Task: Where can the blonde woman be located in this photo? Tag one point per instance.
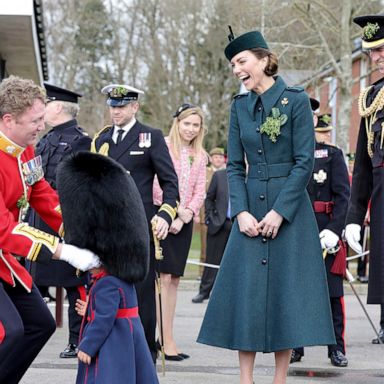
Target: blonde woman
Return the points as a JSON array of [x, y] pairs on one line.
[[185, 143]]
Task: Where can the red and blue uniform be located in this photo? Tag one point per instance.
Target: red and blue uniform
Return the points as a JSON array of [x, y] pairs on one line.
[[112, 334]]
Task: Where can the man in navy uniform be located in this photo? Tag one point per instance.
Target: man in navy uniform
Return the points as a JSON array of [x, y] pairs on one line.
[[329, 192], [143, 152], [368, 172], [64, 138]]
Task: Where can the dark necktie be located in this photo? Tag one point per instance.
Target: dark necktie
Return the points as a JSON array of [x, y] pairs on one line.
[[119, 136]]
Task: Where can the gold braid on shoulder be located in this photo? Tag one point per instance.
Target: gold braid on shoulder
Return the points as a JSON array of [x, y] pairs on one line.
[[369, 114], [103, 150]]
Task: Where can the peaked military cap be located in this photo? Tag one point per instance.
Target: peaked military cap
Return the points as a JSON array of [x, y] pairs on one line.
[[55, 93], [373, 30], [120, 94], [315, 104], [217, 151], [324, 123], [249, 40]]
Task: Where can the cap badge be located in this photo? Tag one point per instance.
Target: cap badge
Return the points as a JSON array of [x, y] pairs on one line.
[[326, 119], [118, 92], [284, 101], [320, 177], [370, 30], [145, 140], [33, 170]]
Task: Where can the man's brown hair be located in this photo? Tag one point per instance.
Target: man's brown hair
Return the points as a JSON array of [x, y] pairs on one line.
[[17, 95]]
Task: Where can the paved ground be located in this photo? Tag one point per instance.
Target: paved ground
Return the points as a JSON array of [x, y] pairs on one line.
[[216, 366]]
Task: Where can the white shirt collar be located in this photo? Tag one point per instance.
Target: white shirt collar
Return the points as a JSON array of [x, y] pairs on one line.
[[126, 128]]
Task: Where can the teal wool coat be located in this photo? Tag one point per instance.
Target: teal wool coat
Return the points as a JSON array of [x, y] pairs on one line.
[[270, 295]]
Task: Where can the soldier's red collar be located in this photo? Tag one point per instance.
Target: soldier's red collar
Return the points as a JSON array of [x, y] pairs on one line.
[[9, 147]]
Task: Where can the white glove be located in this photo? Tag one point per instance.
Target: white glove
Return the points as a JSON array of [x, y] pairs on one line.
[[328, 239], [352, 235], [82, 259]]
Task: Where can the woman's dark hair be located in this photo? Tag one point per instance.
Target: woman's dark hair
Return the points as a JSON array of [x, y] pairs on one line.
[[273, 62]]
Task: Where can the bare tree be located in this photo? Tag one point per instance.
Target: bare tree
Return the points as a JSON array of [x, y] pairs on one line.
[[173, 50]]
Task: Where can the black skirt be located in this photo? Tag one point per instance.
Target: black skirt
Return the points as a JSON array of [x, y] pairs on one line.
[[175, 251]]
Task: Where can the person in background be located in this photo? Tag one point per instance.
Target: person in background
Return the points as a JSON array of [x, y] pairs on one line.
[[253, 306], [217, 161], [64, 139], [329, 192], [26, 322], [368, 171], [142, 151], [185, 143], [218, 221]]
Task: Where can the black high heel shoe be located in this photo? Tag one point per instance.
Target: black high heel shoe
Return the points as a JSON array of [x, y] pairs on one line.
[[184, 355], [158, 345], [173, 357]]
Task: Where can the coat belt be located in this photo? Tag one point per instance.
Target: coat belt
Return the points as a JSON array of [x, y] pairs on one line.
[[122, 313], [264, 171]]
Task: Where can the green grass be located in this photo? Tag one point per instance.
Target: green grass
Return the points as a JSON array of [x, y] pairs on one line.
[[192, 271]]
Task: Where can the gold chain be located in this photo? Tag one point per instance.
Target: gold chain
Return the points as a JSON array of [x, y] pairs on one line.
[[376, 105]]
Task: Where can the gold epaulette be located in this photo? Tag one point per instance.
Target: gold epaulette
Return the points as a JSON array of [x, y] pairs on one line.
[[103, 150]]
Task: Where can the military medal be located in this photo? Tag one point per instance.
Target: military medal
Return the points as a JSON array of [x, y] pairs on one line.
[[33, 170], [321, 153], [145, 140], [141, 140]]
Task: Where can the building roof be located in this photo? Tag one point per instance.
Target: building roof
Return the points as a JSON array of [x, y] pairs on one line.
[[22, 43]]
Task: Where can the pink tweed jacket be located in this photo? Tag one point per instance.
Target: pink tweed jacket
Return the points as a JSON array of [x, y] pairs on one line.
[[191, 172]]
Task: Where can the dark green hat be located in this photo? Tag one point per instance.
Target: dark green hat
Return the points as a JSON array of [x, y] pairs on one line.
[[373, 30], [244, 42], [324, 123]]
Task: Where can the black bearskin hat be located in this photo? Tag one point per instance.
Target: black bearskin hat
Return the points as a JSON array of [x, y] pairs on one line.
[[103, 212]]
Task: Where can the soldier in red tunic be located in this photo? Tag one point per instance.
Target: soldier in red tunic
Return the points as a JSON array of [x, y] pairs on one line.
[[25, 321]]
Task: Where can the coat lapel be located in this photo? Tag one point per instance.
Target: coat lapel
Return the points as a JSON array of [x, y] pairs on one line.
[[271, 96], [251, 103]]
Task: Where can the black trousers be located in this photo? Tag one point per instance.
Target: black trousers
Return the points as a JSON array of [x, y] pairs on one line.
[[338, 317], [28, 325], [74, 320], [215, 248], [147, 304]]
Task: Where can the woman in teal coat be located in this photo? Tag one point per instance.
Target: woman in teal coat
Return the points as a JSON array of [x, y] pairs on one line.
[[271, 293]]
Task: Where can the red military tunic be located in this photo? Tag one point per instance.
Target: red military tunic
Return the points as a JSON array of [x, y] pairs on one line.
[[16, 237]]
